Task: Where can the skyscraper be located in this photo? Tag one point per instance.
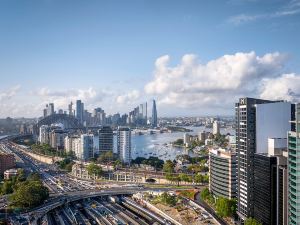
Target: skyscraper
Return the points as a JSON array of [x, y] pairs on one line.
[[270, 183], [216, 127], [71, 109], [154, 115], [106, 139], [294, 169], [256, 121], [50, 109], [124, 144], [79, 110]]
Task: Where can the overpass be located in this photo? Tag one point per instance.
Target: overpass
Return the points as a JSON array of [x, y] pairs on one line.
[[36, 214]]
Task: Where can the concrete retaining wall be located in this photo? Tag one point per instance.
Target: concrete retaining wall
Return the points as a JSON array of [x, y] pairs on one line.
[[159, 212]]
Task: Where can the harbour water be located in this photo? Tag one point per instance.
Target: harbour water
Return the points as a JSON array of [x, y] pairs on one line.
[[158, 144], [3, 136]]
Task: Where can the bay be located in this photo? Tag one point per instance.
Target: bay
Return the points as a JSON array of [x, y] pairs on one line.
[[158, 144]]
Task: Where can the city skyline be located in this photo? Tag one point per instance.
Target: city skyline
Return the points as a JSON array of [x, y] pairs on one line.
[[150, 112], [117, 55]]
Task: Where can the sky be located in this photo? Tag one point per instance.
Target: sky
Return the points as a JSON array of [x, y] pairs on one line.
[[194, 57]]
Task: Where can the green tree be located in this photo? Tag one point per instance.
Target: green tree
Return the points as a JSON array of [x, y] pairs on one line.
[[205, 193], [168, 199], [252, 221], [198, 178], [106, 157], [29, 194], [178, 142], [117, 164], [34, 177], [185, 178], [225, 207], [7, 187], [21, 175], [169, 166], [151, 161], [94, 169], [66, 164], [205, 178]]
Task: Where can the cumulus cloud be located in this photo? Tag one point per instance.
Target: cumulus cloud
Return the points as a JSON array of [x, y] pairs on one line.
[[8, 94], [128, 98], [61, 98], [219, 82], [285, 87]]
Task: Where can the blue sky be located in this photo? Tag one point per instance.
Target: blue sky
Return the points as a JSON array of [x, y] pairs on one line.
[[105, 52]]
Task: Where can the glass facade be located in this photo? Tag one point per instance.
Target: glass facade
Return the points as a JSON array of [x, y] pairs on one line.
[[294, 170], [265, 189]]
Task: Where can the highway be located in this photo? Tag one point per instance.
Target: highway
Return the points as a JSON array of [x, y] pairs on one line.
[[68, 196], [101, 211]]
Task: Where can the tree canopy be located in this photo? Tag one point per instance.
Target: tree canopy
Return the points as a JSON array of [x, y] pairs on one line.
[[151, 161], [94, 169], [106, 157], [225, 207], [252, 221], [29, 194], [169, 166]]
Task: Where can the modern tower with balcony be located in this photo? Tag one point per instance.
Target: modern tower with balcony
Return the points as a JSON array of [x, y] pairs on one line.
[[257, 120], [294, 169]]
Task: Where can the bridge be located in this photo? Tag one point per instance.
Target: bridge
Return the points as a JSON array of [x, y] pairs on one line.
[[69, 122], [36, 214]]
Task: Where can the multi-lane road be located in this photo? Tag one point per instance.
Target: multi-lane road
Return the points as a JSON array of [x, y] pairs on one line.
[[102, 211], [79, 202], [87, 209]]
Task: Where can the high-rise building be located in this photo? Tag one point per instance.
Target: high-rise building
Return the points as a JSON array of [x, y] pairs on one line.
[[57, 138], [256, 121], [223, 173], [294, 169], [145, 112], [44, 134], [124, 144], [69, 143], [154, 115], [44, 112], [106, 139], [270, 183], [79, 111], [87, 146], [70, 108], [99, 116], [186, 139], [50, 110], [265, 173], [83, 146], [216, 127]]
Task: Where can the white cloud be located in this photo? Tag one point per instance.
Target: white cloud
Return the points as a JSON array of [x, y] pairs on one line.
[[217, 83], [244, 18], [128, 98], [292, 7], [285, 87], [61, 98], [8, 94]]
